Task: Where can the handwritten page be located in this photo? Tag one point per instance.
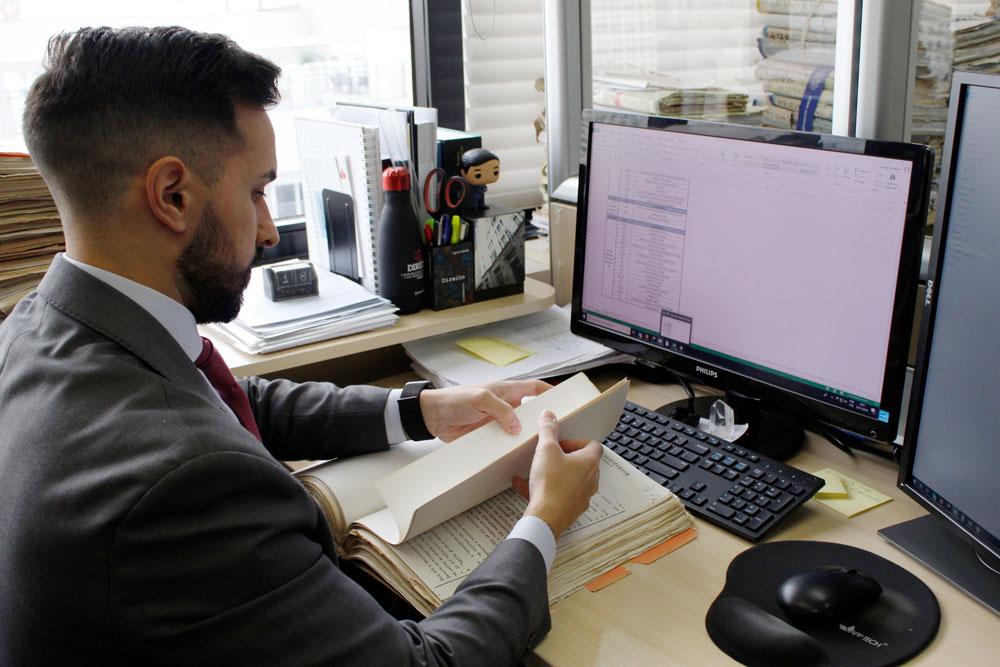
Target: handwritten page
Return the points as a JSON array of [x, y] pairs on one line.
[[860, 498]]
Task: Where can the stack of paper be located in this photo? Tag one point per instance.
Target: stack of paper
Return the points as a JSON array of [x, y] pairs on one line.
[[342, 307], [472, 356], [30, 230]]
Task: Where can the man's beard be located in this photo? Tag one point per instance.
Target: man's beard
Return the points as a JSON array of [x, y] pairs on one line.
[[215, 289]]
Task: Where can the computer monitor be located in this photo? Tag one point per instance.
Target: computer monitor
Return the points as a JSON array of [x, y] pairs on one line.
[[951, 458], [776, 265]]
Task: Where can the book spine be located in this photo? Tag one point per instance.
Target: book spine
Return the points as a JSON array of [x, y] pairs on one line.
[[373, 209]]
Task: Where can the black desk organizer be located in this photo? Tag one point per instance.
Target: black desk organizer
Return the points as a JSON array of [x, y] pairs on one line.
[[487, 265]]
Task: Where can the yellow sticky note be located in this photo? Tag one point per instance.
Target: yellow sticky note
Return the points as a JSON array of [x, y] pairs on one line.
[[834, 487], [494, 350], [860, 498]]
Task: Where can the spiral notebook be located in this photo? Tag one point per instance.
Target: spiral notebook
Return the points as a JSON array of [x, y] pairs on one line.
[[342, 157]]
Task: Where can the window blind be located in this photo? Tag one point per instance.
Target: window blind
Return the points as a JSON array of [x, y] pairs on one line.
[[503, 57]]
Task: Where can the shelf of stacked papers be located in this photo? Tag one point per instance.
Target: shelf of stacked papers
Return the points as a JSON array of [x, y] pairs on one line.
[[30, 230]]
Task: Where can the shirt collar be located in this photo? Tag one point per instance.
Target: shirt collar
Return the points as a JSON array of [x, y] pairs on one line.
[[173, 316]]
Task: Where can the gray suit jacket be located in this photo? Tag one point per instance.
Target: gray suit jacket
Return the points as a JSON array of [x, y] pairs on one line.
[[140, 522]]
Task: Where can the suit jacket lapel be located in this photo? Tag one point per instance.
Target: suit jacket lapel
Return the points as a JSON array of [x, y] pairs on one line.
[[106, 310]]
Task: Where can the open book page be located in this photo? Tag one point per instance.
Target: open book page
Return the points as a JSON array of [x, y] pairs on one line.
[[481, 464], [444, 555], [347, 486]]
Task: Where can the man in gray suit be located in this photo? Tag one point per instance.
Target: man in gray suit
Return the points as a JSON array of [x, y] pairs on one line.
[[144, 516]]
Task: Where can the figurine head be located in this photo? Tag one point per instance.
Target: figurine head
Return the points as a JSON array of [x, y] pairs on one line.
[[480, 167]]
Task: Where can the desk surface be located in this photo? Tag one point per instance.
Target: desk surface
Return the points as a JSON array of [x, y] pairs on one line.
[[537, 296], [656, 615]]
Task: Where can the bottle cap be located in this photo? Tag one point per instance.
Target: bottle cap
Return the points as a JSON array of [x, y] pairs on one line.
[[395, 179]]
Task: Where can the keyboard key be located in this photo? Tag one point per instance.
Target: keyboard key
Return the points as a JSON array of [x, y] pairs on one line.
[[661, 419], [639, 410], [675, 462], [629, 455], [753, 457], [680, 440], [796, 489], [621, 428], [755, 523], [700, 450], [782, 484], [706, 464], [658, 467], [730, 474], [698, 500], [656, 455], [759, 487], [640, 460], [614, 435], [740, 451], [632, 432], [688, 430], [756, 473], [729, 448], [642, 437], [746, 481], [674, 451], [690, 457], [656, 477], [701, 436], [645, 450], [770, 478], [749, 496], [728, 461], [620, 449], [717, 456], [740, 519], [659, 431], [626, 419], [779, 504], [713, 441], [772, 492], [686, 494], [718, 469], [698, 486], [726, 498], [738, 504], [740, 466], [722, 510]]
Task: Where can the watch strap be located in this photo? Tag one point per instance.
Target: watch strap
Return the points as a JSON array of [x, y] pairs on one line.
[[410, 415]]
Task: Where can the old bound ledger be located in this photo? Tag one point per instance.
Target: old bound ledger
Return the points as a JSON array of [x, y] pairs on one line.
[[422, 515]]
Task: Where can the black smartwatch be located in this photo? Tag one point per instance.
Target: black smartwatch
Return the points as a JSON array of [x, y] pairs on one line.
[[409, 411]]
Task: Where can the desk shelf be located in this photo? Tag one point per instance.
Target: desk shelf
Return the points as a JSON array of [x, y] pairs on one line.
[[537, 296]]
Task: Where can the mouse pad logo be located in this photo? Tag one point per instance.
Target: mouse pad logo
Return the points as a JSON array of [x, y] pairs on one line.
[[849, 629]]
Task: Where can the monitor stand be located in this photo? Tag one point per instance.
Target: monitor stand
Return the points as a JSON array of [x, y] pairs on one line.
[[771, 432], [934, 544]]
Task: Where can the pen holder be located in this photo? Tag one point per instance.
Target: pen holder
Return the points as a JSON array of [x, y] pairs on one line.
[[488, 264]]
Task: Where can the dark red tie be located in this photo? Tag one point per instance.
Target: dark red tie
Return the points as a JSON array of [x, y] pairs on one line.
[[210, 363]]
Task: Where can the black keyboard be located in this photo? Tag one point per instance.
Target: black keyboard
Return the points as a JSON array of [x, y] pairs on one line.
[[729, 485]]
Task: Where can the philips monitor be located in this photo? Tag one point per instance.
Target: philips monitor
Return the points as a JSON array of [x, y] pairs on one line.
[[951, 457], [776, 265]]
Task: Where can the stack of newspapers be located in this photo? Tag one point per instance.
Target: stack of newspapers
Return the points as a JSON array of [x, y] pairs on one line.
[[342, 307], [545, 336], [30, 231], [798, 44]]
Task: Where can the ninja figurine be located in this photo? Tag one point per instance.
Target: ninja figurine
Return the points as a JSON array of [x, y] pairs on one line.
[[479, 168]]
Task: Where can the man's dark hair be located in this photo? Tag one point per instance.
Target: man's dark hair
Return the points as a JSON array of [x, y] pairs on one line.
[[111, 102], [475, 157]]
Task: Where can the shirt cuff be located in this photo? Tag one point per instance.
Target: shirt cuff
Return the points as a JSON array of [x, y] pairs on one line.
[[393, 423], [536, 531]]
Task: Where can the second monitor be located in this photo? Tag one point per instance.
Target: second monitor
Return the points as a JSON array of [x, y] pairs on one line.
[[780, 265]]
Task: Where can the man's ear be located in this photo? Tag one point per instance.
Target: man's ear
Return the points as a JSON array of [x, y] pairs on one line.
[[169, 192]]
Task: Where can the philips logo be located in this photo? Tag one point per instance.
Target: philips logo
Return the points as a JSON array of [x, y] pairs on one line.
[[707, 371], [849, 629]]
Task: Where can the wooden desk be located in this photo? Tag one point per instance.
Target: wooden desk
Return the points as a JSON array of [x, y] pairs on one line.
[[656, 616], [537, 296]]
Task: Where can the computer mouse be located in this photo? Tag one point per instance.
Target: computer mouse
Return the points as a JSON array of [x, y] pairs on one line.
[[829, 592]]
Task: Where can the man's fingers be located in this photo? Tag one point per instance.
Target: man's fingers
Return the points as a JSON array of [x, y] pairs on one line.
[[573, 445], [498, 409]]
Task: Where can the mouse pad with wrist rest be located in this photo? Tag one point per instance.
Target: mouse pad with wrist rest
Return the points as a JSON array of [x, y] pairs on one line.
[[747, 623]]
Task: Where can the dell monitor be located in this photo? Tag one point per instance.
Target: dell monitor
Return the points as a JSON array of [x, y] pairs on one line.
[[779, 266], [951, 457]]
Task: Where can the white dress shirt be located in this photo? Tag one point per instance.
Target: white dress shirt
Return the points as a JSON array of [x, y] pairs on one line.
[[180, 323]]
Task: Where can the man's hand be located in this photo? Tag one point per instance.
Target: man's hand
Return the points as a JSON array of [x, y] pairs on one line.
[[454, 411], [563, 476]]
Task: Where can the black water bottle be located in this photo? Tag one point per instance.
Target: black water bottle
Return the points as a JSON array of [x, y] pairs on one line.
[[400, 250]]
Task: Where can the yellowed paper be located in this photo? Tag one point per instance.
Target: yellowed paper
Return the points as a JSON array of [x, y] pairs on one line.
[[481, 464], [494, 350], [860, 498], [834, 487]]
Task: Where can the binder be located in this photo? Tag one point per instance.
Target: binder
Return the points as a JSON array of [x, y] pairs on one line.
[[343, 157]]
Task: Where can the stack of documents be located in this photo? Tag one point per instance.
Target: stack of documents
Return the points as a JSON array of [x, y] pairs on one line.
[[342, 307], [548, 349], [30, 231]]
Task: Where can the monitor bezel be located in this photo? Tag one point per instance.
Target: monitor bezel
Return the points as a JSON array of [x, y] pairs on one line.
[[806, 408], [960, 82]]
